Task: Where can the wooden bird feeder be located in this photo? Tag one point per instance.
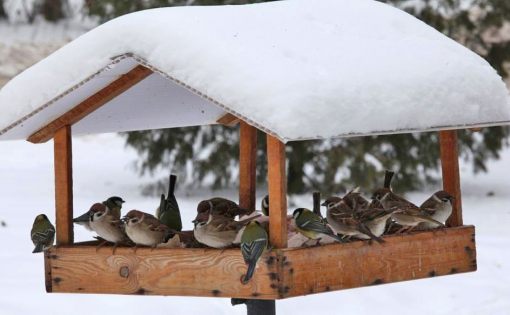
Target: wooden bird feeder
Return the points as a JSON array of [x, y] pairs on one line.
[[144, 88]]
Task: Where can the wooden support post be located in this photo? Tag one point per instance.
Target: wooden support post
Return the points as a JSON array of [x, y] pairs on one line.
[[277, 186], [63, 185], [247, 166], [450, 169]]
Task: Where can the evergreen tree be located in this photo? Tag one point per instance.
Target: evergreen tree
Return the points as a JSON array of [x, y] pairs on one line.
[[338, 164], [3, 15]]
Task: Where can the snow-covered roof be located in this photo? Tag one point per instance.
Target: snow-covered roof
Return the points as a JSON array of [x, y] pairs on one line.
[[297, 69]]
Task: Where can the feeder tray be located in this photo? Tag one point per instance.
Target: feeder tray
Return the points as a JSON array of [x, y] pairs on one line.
[[112, 88], [281, 273]]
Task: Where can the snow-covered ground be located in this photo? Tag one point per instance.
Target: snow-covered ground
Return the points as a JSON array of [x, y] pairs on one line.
[[103, 167]]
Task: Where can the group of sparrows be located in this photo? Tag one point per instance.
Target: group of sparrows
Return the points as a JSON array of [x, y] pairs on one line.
[[215, 225], [353, 216]]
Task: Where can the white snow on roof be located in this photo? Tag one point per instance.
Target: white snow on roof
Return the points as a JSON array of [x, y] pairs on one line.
[[299, 69]]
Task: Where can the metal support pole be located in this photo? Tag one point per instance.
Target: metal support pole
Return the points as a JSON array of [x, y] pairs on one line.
[[257, 307]]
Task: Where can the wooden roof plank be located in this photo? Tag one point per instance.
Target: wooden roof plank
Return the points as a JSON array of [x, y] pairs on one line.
[[80, 111]]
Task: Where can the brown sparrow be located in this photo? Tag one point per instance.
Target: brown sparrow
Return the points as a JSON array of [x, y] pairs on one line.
[[354, 199], [363, 224], [438, 207], [144, 229], [405, 213], [105, 222], [221, 206], [217, 231]]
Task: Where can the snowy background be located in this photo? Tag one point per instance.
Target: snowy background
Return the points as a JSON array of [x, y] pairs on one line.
[[103, 167]]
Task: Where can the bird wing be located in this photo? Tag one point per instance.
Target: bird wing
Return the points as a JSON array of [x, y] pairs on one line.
[[253, 250], [43, 236], [365, 230], [154, 224], [372, 214], [317, 225], [344, 218], [428, 207]]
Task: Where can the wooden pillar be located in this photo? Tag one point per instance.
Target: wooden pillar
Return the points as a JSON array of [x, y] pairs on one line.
[[247, 165], [63, 185], [450, 170], [277, 186]]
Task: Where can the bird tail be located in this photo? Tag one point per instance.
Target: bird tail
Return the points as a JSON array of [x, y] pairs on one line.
[[250, 271], [388, 176], [336, 237], [38, 248]]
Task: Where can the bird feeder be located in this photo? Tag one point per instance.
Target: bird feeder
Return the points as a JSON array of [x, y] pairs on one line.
[[296, 70]]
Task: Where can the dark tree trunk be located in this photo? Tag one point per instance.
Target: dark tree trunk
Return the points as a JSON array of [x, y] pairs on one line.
[[3, 15], [53, 10]]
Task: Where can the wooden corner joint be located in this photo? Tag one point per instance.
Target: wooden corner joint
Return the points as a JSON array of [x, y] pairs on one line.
[[228, 120]]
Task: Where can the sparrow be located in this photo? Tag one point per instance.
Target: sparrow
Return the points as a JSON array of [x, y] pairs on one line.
[[254, 242], [42, 233], [168, 211], [312, 226], [221, 206], [353, 222], [264, 205], [114, 203], [438, 207], [354, 199], [145, 229], [217, 231], [405, 213], [105, 222]]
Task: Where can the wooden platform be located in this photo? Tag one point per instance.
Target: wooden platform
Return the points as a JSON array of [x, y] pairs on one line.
[[281, 273]]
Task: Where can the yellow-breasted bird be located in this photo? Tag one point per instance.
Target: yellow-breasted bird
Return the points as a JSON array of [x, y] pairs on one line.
[[42, 233], [312, 226], [168, 211], [254, 242]]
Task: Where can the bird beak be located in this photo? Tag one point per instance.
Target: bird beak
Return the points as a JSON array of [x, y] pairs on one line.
[[324, 204], [82, 218]]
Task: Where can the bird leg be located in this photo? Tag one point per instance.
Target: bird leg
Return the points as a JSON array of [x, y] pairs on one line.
[[390, 226], [114, 248], [318, 241], [401, 230], [410, 229], [100, 245]]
